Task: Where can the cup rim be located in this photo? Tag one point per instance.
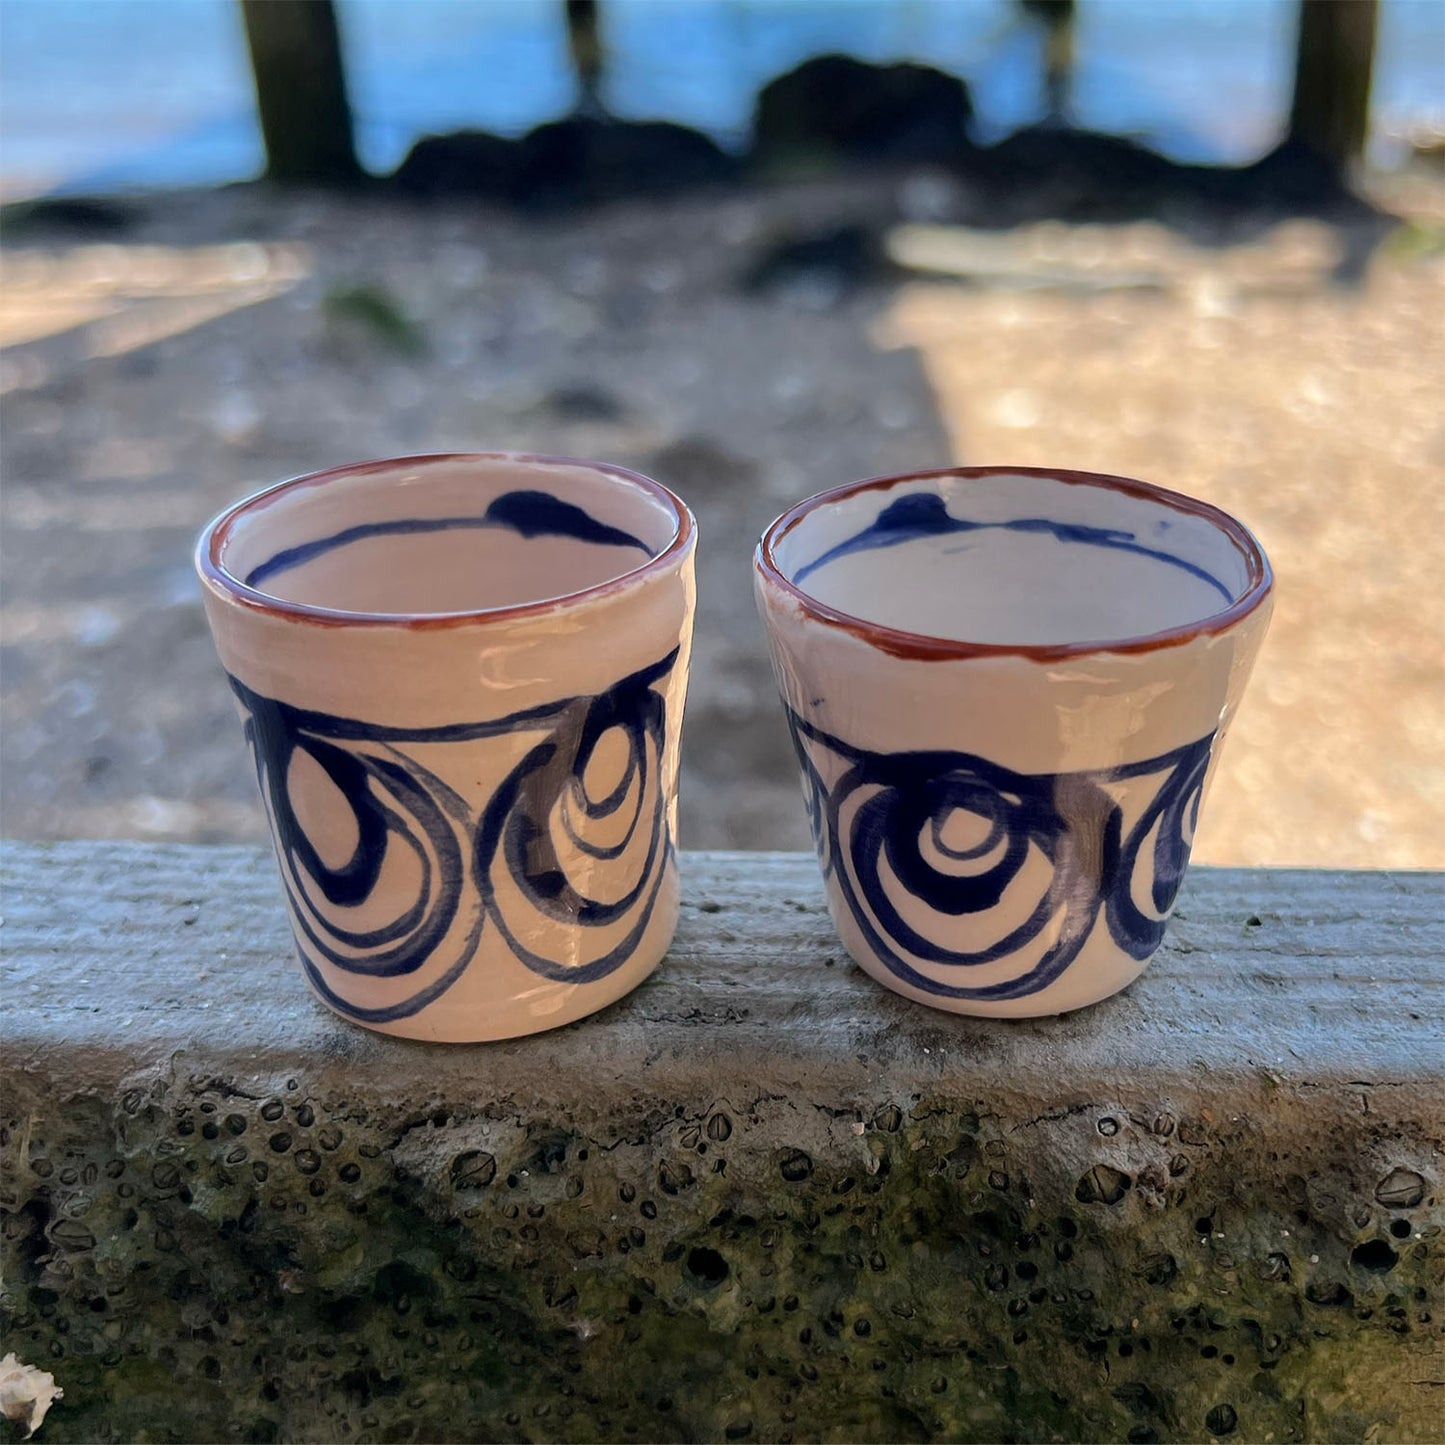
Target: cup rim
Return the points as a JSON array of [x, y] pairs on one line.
[[918, 646], [214, 536]]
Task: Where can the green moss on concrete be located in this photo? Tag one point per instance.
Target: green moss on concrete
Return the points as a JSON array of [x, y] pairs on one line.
[[197, 1262]]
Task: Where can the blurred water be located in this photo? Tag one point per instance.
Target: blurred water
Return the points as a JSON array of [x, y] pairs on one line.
[[110, 94]]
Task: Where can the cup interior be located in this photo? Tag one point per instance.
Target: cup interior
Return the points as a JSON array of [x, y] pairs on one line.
[[430, 536], [1016, 559]]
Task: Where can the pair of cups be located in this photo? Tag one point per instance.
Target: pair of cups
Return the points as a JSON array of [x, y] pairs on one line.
[[462, 681]]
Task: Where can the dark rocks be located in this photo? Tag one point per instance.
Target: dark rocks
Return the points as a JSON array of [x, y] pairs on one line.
[[465, 163], [579, 160], [837, 108], [832, 112], [1078, 175], [1295, 178]]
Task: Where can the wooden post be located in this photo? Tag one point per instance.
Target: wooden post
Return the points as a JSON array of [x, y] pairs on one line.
[[1334, 57], [1057, 18], [301, 91], [584, 42]]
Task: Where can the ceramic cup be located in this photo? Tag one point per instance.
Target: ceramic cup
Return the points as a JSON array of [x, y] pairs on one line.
[[462, 680], [1007, 689]]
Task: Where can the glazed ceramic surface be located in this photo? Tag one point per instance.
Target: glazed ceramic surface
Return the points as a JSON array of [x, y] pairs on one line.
[[462, 681], [1007, 689]]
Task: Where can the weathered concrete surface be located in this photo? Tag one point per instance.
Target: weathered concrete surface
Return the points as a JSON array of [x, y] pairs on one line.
[[761, 1198]]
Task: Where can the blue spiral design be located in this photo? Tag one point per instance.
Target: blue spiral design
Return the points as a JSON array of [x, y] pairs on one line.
[[539, 818], [506, 868], [1050, 854]]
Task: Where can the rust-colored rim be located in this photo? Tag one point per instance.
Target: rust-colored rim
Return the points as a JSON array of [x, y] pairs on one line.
[[214, 537], [922, 647]]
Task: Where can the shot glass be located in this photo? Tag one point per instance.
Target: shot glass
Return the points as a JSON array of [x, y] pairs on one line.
[[462, 680], [1007, 688]]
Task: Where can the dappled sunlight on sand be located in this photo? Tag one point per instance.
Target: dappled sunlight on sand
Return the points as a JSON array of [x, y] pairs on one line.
[[154, 381], [1313, 413], [130, 296]]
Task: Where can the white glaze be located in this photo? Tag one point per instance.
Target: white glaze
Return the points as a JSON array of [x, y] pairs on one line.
[[541, 630], [1047, 739]]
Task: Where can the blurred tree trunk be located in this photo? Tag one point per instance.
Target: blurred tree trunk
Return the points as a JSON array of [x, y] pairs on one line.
[[584, 42], [1057, 18], [301, 91], [1334, 57]]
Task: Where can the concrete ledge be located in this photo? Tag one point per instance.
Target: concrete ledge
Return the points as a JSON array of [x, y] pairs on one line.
[[759, 1199]]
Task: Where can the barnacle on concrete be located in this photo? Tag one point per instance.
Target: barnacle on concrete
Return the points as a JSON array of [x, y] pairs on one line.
[[208, 1259]]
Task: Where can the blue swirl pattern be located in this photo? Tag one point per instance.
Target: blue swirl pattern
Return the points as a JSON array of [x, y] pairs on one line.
[[518, 852], [1046, 855]]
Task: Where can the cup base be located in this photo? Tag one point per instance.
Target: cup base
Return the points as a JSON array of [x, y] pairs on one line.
[[552, 1007], [1039, 1007], [478, 1009], [1100, 971]]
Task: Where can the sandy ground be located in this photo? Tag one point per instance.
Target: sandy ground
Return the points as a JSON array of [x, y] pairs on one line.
[[212, 348]]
